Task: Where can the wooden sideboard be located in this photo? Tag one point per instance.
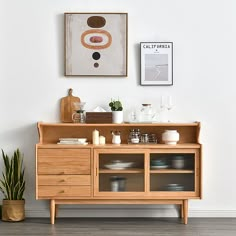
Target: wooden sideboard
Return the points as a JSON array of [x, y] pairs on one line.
[[77, 174]]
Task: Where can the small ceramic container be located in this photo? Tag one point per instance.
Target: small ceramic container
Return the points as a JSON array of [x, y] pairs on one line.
[[170, 137]]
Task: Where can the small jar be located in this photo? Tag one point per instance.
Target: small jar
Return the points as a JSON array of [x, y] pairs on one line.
[[144, 138], [170, 137], [134, 136], [152, 138], [117, 183]]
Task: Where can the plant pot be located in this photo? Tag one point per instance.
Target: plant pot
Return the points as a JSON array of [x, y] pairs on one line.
[[117, 117], [13, 210]]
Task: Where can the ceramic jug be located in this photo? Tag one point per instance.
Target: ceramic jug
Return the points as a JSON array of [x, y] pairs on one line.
[[116, 137]]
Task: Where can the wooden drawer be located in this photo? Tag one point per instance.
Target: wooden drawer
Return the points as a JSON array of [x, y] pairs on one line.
[[63, 161], [64, 191], [64, 180]]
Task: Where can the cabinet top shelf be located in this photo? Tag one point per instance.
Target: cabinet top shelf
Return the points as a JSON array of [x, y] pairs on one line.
[[50, 133], [120, 125], [127, 146]]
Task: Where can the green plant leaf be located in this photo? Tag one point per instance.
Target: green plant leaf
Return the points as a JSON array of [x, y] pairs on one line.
[[12, 184]]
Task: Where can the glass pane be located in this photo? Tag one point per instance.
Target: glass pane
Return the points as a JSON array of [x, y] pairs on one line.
[[121, 161], [172, 182], [121, 182], [172, 172], [121, 172], [172, 161]]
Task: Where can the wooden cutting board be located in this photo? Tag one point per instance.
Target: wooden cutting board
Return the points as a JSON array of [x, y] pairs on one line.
[[67, 106]]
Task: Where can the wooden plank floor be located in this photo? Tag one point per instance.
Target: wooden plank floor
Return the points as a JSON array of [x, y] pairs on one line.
[[120, 227]]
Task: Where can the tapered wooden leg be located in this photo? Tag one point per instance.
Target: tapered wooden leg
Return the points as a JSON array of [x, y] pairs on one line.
[[185, 211], [56, 210], [52, 211], [182, 210]]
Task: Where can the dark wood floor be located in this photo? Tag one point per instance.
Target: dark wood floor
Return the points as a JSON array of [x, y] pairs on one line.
[[120, 227]]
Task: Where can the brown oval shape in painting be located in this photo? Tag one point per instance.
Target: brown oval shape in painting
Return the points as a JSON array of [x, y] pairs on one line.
[[96, 39], [96, 21]]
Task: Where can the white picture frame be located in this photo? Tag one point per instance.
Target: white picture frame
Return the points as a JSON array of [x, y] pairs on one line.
[[156, 63]]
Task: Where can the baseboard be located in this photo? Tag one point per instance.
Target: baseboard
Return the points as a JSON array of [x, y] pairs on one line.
[[124, 212]]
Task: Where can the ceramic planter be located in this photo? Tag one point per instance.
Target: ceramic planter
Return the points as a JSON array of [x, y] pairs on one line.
[[117, 117]]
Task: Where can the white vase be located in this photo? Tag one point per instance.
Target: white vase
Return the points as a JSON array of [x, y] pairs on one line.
[[117, 117], [170, 137]]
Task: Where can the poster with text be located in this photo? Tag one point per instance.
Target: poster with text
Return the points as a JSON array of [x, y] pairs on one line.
[[156, 63]]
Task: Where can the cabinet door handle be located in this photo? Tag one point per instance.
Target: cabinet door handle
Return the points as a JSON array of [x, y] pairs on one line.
[[62, 191], [62, 180]]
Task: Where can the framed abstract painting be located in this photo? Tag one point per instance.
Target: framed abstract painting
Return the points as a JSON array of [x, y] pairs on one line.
[[96, 44], [156, 63]]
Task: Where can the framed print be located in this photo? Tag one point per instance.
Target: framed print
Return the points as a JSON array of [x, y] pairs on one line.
[[156, 63], [96, 44]]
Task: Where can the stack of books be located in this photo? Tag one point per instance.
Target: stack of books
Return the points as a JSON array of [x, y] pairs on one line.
[[81, 141]]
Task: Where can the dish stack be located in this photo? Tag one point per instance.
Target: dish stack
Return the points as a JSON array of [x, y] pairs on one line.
[[118, 165], [72, 141], [174, 187], [158, 164]]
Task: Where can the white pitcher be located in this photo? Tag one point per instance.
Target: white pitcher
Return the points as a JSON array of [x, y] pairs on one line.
[[116, 137]]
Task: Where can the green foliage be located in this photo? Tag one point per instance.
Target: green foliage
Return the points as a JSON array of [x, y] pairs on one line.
[[116, 105], [12, 184]]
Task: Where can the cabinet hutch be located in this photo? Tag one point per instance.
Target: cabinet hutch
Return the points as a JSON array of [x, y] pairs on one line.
[[78, 174]]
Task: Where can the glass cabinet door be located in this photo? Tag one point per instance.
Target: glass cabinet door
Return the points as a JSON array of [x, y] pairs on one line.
[[174, 171], [118, 172]]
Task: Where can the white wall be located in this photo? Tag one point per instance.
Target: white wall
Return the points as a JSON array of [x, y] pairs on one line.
[[32, 82]]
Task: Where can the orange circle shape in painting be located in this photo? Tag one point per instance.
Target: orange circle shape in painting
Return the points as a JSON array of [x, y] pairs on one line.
[[104, 32]]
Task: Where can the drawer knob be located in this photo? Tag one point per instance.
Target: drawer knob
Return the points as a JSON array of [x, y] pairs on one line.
[[62, 191], [62, 180]]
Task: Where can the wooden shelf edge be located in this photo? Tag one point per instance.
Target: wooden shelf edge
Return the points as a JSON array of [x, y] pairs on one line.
[[171, 171], [119, 146], [126, 171], [122, 124]]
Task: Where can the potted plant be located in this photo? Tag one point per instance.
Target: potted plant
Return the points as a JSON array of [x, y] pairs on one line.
[[12, 185], [117, 111]]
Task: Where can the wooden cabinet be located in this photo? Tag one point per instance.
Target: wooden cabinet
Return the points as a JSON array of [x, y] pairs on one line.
[[63, 173], [80, 174], [143, 179]]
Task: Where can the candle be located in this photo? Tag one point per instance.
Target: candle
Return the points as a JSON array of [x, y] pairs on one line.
[[102, 140], [95, 137]]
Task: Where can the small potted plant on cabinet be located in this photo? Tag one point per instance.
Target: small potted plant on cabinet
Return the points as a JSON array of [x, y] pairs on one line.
[[117, 111], [12, 185]]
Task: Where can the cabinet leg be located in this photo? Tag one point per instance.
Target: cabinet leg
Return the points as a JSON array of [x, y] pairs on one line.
[[185, 211], [182, 211], [56, 210], [52, 211]]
